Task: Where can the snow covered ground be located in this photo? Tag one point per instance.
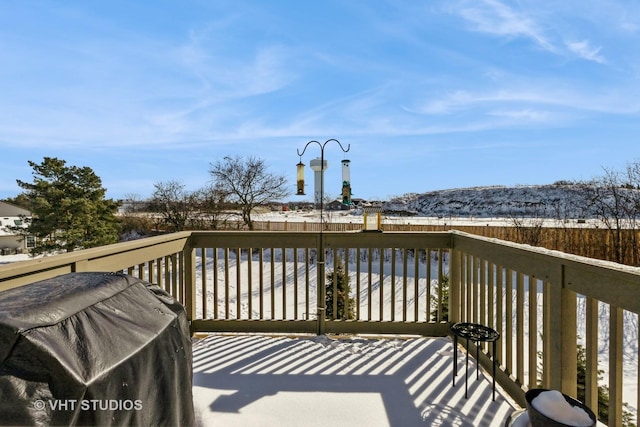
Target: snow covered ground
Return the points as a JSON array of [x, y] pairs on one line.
[[355, 216], [258, 380], [6, 259]]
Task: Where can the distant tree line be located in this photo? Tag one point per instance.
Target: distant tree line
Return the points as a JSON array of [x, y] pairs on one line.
[[238, 186], [70, 210]]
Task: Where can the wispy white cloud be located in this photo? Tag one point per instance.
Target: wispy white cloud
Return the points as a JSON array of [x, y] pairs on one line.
[[530, 96], [524, 115], [454, 101], [268, 71], [495, 17], [461, 100], [584, 50], [498, 18]]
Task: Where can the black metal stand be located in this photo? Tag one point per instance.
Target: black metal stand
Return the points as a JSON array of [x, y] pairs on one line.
[[475, 333]]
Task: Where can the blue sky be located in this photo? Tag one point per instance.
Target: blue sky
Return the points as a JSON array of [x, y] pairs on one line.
[[428, 94]]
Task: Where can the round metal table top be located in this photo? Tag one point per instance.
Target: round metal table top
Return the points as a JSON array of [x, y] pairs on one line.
[[474, 331]]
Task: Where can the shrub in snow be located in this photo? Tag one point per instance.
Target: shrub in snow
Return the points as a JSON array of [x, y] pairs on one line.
[[441, 304], [603, 391]]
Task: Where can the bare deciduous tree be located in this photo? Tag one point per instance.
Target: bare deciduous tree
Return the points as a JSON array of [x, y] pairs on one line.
[[528, 229], [174, 204], [247, 183], [133, 203], [633, 207], [604, 195], [212, 208], [615, 199]]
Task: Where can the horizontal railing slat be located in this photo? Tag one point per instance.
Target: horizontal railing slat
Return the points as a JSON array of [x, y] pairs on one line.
[[116, 257]]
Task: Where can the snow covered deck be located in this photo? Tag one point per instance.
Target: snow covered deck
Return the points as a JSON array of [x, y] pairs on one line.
[[258, 380], [274, 282]]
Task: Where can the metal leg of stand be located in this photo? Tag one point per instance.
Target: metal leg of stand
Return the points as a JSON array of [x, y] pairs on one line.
[[493, 360], [466, 373], [477, 360], [455, 359]]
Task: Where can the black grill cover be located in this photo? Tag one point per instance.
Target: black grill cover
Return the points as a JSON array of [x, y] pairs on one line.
[[94, 349]]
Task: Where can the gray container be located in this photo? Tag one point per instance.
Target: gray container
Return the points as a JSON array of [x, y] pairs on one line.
[[538, 419]]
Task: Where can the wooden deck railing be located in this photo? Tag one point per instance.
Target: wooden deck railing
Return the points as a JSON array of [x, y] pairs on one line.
[[540, 330], [272, 282]]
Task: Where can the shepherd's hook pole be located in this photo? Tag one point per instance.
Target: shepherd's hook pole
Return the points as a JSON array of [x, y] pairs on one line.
[[320, 258]]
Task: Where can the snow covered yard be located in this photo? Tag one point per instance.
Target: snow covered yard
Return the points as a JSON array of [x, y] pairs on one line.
[[257, 380]]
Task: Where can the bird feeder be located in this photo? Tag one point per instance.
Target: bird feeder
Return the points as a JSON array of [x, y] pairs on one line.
[[300, 176], [346, 183], [372, 218]]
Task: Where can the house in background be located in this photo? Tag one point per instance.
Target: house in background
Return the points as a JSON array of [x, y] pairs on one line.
[[10, 242]]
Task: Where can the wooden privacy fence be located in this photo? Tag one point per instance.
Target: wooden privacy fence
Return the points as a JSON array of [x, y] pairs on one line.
[[600, 243]]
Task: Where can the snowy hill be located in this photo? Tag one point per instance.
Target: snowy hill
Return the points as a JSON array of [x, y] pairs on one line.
[[543, 201]]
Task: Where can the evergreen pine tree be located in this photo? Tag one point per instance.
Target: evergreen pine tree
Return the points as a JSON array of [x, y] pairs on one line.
[[69, 208], [443, 291], [343, 301]]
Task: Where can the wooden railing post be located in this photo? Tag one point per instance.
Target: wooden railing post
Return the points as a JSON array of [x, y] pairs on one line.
[[189, 256], [454, 286], [559, 335], [591, 353], [568, 349], [548, 366], [320, 290], [615, 365], [80, 265]]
